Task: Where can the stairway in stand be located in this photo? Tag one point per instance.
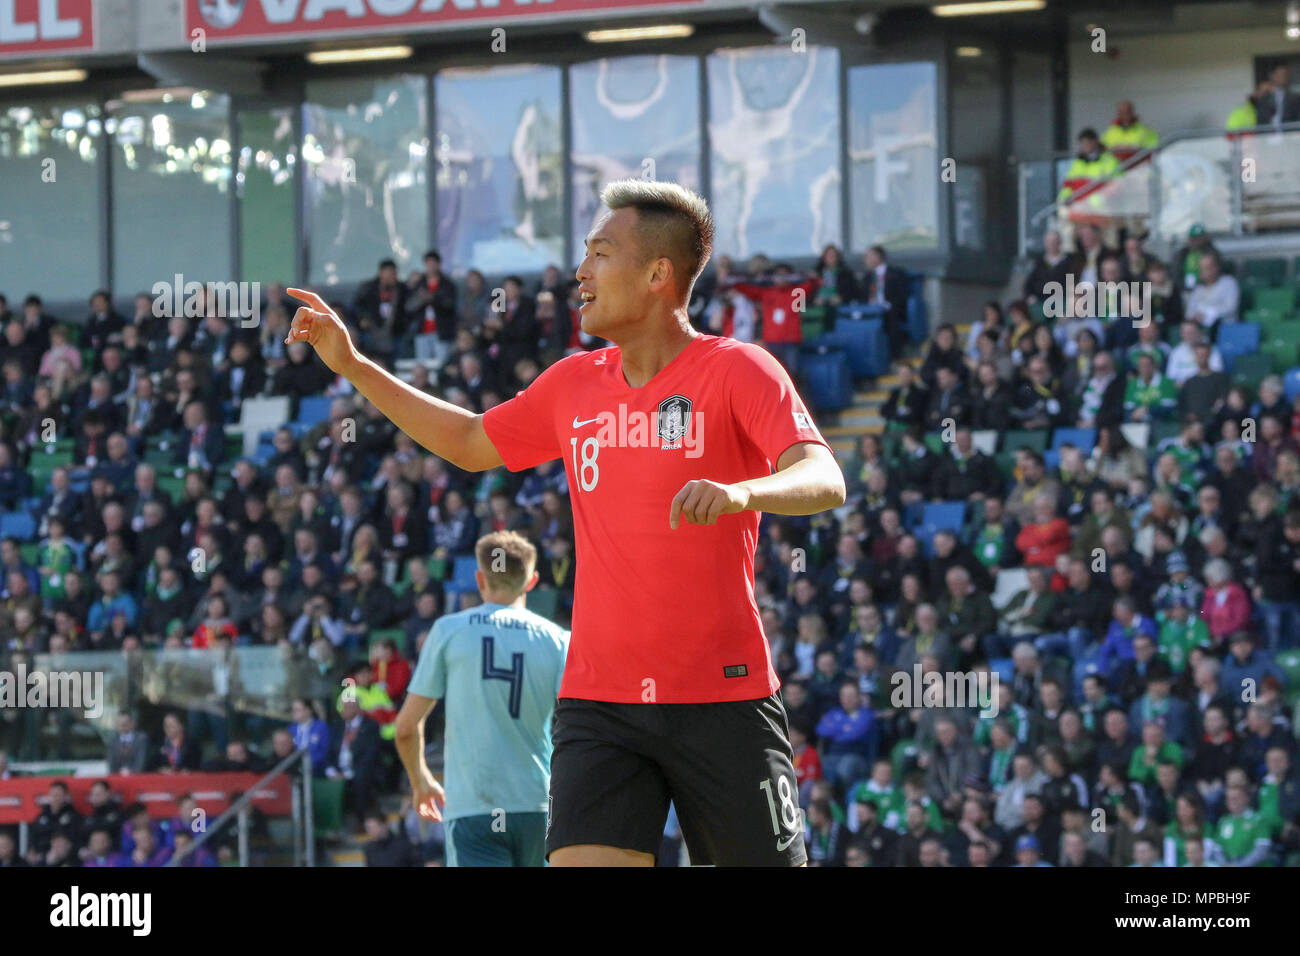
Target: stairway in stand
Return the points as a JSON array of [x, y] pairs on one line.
[[864, 416]]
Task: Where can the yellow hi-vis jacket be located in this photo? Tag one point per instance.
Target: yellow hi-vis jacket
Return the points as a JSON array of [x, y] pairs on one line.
[[1124, 141], [1243, 117], [1084, 170], [375, 704]]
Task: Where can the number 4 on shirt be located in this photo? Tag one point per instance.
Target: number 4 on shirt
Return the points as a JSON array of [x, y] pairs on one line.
[[514, 676]]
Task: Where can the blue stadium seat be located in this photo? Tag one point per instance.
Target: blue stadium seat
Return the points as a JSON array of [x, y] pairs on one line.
[[1237, 338], [944, 515], [863, 341], [1052, 459], [858, 310], [1004, 667], [938, 516], [17, 524], [1292, 383], [828, 378], [462, 574], [1085, 439], [313, 409], [918, 316]]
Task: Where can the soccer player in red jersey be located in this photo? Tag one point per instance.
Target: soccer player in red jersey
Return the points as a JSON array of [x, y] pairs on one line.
[[673, 442]]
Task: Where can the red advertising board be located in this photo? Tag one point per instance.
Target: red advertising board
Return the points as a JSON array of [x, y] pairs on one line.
[[21, 798], [254, 19], [45, 26]]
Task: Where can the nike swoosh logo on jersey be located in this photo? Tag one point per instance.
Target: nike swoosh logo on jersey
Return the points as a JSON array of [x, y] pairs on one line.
[[578, 424], [782, 844]]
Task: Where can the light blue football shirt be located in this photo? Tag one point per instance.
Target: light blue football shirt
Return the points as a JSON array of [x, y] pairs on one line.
[[498, 670]]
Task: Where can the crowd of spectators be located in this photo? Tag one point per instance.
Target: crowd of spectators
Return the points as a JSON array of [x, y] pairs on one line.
[[1139, 658], [1134, 511]]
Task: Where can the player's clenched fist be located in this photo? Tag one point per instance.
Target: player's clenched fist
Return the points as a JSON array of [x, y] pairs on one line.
[[319, 326], [704, 502]]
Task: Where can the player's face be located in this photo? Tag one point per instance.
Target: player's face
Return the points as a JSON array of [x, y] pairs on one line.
[[615, 276]]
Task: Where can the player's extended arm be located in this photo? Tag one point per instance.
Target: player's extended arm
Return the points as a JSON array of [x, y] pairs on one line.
[[447, 430], [426, 793], [807, 480]]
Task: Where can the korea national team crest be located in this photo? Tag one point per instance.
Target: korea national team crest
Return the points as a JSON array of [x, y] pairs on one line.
[[674, 418]]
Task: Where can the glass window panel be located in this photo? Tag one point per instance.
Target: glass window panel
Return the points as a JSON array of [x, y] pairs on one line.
[[774, 141], [364, 152], [171, 176], [893, 156], [41, 201], [264, 180], [631, 116], [500, 169]]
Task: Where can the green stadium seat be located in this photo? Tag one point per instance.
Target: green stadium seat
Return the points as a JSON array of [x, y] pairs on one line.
[[327, 805], [47, 462], [438, 569], [934, 442], [1289, 663], [813, 322], [1263, 272], [1249, 370], [891, 444], [1035, 439], [395, 633], [173, 486], [1161, 430], [30, 552], [1282, 345], [1006, 461], [158, 458], [1277, 298], [543, 601], [1266, 317]]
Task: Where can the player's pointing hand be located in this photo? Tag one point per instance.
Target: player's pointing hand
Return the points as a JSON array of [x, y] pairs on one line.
[[319, 326], [704, 502]]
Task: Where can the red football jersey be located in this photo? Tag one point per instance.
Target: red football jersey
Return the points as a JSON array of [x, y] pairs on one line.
[[660, 615]]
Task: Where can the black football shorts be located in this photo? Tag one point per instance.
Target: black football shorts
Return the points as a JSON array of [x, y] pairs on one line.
[[727, 768]]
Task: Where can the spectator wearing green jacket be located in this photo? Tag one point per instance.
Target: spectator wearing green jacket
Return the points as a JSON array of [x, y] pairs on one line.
[[966, 614], [1180, 631], [1149, 395], [1153, 750], [1243, 834]]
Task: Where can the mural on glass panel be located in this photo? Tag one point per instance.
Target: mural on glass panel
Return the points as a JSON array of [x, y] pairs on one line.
[[774, 136], [500, 169]]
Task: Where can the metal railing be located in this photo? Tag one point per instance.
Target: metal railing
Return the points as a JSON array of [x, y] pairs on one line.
[[1232, 183], [249, 688], [304, 831]]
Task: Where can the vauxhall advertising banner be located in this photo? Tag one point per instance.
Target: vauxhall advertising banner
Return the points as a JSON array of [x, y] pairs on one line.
[[251, 20], [36, 27]]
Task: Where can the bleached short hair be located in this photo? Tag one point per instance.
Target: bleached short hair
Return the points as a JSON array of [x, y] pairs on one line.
[[674, 222]]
